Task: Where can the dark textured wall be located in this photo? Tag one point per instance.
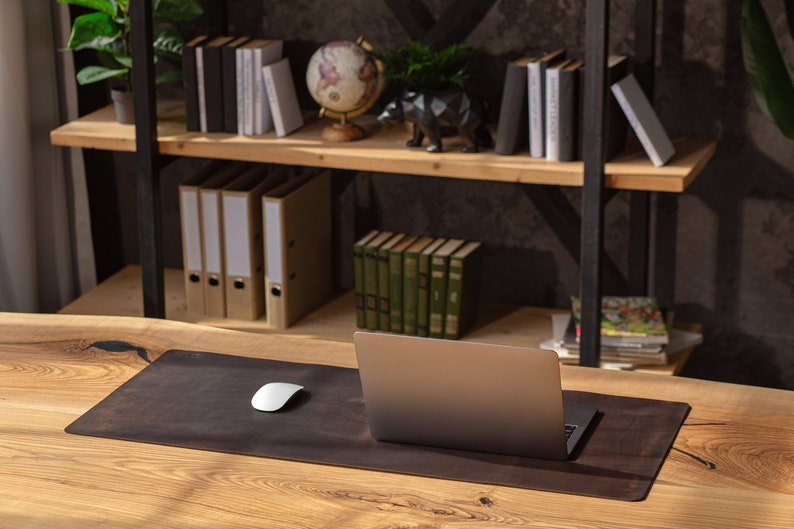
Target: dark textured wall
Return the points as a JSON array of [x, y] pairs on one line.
[[724, 248]]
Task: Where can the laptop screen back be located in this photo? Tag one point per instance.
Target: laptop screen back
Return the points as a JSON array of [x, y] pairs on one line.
[[463, 395]]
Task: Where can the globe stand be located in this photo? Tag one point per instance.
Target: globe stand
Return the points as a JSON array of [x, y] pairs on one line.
[[343, 131]]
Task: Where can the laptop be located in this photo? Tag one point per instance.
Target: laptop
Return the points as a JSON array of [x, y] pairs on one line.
[[469, 396]]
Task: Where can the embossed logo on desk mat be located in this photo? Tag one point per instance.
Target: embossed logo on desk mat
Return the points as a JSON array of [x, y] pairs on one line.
[[202, 400]]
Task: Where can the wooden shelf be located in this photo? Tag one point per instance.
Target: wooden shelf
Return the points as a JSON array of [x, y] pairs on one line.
[[121, 295], [383, 150]]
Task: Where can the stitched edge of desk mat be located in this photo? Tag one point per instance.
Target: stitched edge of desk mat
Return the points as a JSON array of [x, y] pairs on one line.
[[202, 400]]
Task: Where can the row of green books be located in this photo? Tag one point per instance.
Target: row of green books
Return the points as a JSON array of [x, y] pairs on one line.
[[416, 285]]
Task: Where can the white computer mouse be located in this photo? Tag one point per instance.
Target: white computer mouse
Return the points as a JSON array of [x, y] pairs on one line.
[[274, 395]]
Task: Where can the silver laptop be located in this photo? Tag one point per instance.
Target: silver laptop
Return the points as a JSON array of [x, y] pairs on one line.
[[470, 396]]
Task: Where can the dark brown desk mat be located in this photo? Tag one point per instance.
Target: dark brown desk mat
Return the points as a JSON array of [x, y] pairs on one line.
[[202, 400]]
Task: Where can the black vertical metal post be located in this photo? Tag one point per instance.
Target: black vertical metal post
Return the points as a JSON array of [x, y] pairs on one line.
[[146, 159], [644, 61], [595, 99]]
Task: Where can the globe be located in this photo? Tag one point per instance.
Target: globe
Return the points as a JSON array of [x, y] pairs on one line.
[[345, 81]]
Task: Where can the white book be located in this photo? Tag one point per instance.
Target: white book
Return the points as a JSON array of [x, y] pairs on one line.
[[536, 98], [257, 118], [644, 120], [202, 92], [241, 89], [283, 98]]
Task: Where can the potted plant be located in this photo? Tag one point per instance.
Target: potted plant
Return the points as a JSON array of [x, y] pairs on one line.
[[766, 66], [106, 29], [416, 66]]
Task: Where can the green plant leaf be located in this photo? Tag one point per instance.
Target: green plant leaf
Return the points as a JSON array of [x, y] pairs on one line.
[[103, 6], [93, 74], [767, 69], [168, 42], [176, 10], [95, 31]]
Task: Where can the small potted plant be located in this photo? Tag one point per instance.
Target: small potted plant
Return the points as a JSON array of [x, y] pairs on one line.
[[416, 66], [106, 29]]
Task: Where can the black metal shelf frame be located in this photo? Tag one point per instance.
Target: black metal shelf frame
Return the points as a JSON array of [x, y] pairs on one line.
[[593, 193]]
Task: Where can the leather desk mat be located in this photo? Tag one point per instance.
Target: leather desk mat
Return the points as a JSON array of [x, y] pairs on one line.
[[202, 400]]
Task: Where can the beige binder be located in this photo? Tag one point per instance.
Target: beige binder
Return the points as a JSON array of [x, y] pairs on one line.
[[190, 217], [212, 238], [243, 241], [297, 226]]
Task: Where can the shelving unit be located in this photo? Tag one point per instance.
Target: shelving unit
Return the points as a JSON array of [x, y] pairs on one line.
[[161, 131]]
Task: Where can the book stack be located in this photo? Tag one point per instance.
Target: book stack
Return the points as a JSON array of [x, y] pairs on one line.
[[239, 85], [542, 107], [416, 285], [634, 332], [249, 249]]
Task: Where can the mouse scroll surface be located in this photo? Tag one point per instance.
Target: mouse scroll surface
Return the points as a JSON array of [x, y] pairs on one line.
[[274, 395]]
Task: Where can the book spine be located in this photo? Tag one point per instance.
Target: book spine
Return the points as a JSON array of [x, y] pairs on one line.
[[229, 66], [639, 130], [273, 101], [248, 93], [396, 291], [454, 292], [535, 101], [371, 288], [553, 114], [383, 290], [438, 295], [423, 296], [201, 89], [567, 120], [190, 85], [358, 279], [512, 127], [410, 285], [213, 88]]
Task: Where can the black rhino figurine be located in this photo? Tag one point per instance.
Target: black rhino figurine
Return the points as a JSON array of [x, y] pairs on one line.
[[432, 111]]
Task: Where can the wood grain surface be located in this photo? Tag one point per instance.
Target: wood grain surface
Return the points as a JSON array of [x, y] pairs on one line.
[[732, 464], [384, 150]]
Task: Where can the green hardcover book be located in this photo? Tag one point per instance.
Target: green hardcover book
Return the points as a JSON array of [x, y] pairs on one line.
[[439, 264], [423, 288], [463, 289], [384, 288], [371, 279], [396, 284], [358, 276], [411, 283]]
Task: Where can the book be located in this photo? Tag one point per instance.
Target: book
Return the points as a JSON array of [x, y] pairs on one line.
[[229, 68], [536, 97], [358, 276], [411, 283], [562, 110], [371, 279], [396, 283], [282, 97], [643, 120], [255, 111], [384, 287], [190, 83], [439, 273], [512, 127], [615, 124], [463, 289], [210, 80], [626, 319], [423, 288]]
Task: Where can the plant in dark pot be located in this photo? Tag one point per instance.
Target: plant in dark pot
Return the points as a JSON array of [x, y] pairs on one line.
[[106, 29], [434, 97], [766, 66]]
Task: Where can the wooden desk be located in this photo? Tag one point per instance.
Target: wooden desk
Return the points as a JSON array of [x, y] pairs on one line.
[[731, 466]]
